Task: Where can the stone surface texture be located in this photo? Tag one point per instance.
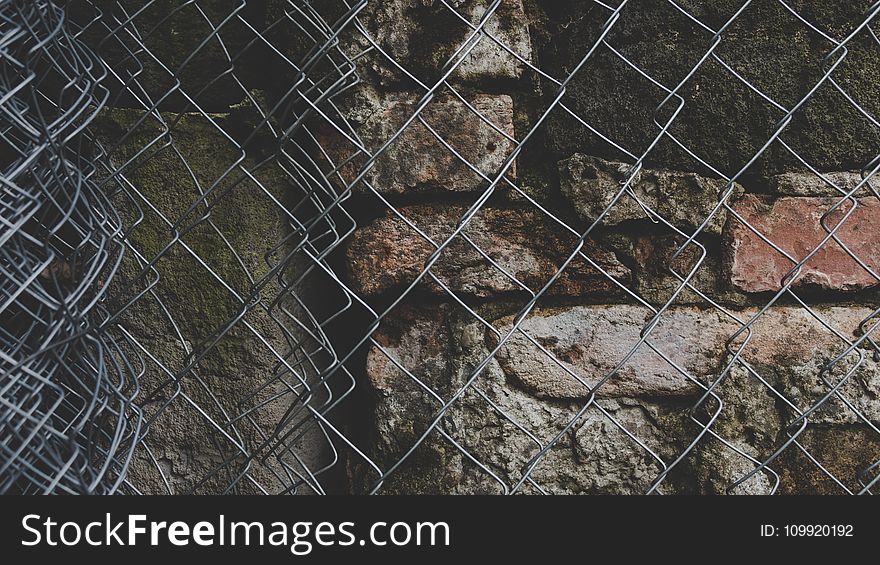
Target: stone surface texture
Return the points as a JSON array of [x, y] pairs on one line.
[[422, 36], [833, 184], [229, 365], [685, 200], [597, 457], [187, 52], [573, 398], [797, 228], [723, 121], [521, 251], [539, 380], [452, 146]]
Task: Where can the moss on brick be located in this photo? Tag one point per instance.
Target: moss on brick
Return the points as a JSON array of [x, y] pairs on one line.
[[723, 121]]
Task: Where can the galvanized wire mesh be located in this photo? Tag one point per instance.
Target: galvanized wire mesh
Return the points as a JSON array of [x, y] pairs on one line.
[[183, 183]]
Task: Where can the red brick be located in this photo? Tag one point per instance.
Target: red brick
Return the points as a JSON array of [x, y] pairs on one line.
[[387, 254], [793, 225]]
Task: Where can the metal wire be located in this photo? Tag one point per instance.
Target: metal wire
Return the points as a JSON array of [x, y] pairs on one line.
[[68, 420], [184, 186]]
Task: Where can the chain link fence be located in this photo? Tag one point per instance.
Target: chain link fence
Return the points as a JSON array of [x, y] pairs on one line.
[[472, 246]]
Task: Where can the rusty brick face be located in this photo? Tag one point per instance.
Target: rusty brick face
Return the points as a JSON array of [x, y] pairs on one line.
[[795, 226], [497, 248]]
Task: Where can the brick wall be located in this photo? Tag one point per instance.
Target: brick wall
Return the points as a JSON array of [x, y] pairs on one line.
[[497, 290], [559, 405]]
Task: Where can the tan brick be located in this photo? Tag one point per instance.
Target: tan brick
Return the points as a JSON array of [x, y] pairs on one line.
[[417, 161]]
